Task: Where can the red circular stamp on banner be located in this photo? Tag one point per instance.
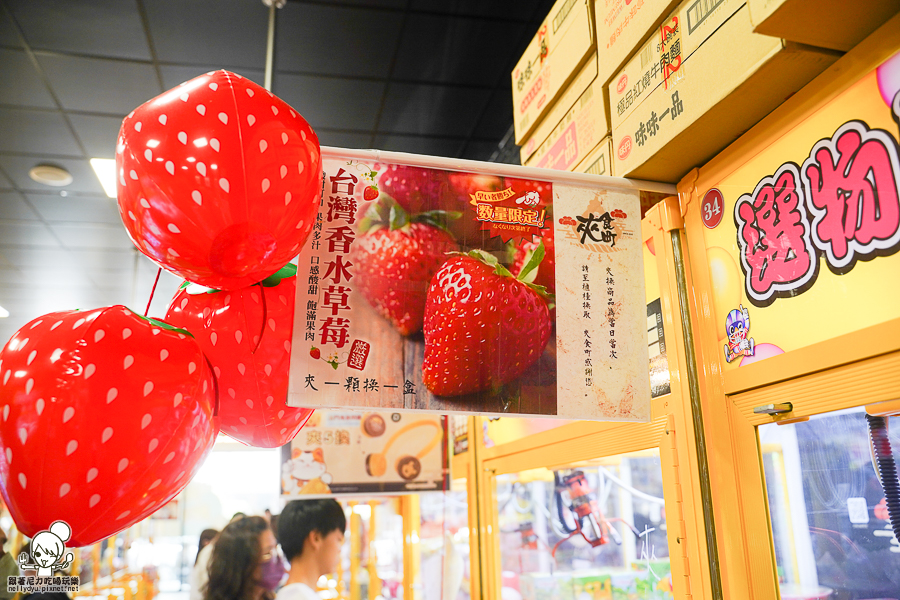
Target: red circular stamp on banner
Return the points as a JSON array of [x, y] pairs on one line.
[[624, 147], [711, 208], [623, 83]]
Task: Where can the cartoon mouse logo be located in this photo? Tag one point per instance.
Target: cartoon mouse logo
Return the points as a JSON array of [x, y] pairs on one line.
[[737, 324], [48, 550]]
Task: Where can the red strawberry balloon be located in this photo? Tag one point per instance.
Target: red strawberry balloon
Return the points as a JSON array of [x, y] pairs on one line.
[[396, 258], [106, 416], [218, 180], [483, 327], [246, 334]]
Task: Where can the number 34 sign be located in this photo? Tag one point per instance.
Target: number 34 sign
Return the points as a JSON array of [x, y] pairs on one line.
[[711, 209]]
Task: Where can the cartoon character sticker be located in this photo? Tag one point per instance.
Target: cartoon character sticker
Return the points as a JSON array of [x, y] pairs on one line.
[[306, 473], [737, 325], [48, 550]]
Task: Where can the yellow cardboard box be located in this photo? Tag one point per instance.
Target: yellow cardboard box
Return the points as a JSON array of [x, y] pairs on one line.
[[621, 26], [576, 134], [835, 24], [599, 160], [730, 82], [563, 43], [659, 60]]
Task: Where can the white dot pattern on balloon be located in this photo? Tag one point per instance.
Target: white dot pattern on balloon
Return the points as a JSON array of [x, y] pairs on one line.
[[126, 333], [68, 414], [223, 117], [169, 457], [274, 110], [300, 167], [23, 435], [129, 360], [89, 370], [213, 338], [170, 167], [231, 392], [6, 408], [123, 464], [154, 484], [178, 398], [238, 336], [36, 323], [280, 413], [249, 92], [28, 385], [55, 325], [265, 185], [98, 335], [214, 144], [183, 97], [148, 387], [152, 445], [251, 120], [204, 387], [107, 433], [77, 324], [64, 489], [163, 119], [284, 138], [144, 203], [163, 354], [217, 371], [8, 455], [148, 155], [111, 395], [287, 346], [95, 499], [137, 126], [214, 86], [92, 474], [182, 137], [39, 406], [268, 369], [23, 481], [123, 515], [145, 420], [201, 109], [71, 447], [191, 368], [249, 403], [201, 168], [283, 172], [269, 400], [263, 145], [223, 183], [241, 368], [195, 422]]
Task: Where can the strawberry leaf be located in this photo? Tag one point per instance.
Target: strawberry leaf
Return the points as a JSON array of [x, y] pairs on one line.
[[398, 217], [288, 270], [164, 325], [532, 261], [437, 219], [490, 260], [377, 215]]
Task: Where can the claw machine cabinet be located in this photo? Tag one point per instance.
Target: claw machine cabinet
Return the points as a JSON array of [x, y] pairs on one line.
[[793, 236], [578, 509]]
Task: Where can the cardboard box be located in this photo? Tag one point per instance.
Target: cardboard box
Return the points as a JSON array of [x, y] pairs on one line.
[[563, 105], [728, 84], [563, 43], [658, 62], [576, 134], [835, 24], [621, 26], [599, 160]]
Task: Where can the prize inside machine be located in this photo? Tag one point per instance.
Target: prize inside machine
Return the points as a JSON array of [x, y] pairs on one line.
[[589, 530]]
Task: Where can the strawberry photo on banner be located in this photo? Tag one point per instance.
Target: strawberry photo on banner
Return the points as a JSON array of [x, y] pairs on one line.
[[428, 289]]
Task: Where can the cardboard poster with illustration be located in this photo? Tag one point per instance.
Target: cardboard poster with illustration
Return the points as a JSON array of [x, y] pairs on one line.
[[803, 238], [352, 452], [423, 288]]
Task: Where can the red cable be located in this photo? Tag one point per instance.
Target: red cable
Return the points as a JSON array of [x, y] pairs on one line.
[[153, 291]]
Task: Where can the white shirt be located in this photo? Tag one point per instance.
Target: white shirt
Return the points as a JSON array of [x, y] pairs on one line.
[[200, 573], [297, 591]]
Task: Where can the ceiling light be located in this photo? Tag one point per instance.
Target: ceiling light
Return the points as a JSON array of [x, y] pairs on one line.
[[3, 313], [50, 175], [105, 168]]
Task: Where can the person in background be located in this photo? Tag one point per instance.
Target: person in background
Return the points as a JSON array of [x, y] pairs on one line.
[[206, 536], [8, 568], [200, 573], [311, 533], [245, 563]]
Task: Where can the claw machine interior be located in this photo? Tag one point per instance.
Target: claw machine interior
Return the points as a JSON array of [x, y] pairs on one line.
[[797, 322]]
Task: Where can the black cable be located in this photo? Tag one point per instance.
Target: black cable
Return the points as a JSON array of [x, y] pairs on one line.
[[887, 470]]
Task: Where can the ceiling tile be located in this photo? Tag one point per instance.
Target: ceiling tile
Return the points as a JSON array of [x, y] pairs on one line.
[[8, 35], [99, 27], [13, 207], [331, 102], [464, 51], [12, 276], [84, 179], [36, 132], [514, 10], [25, 234], [97, 134], [217, 32], [92, 236], [23, 258], [100, 85], [430, 146], [336, 40], [432, 109], [497, 117], [20, 84], [80, 209], [341, 139], [5, 183], [479, 150], [175, 75]]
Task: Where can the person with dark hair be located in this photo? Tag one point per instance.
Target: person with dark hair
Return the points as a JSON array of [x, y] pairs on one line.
[[245, 563], [311, 533], [206, 536]]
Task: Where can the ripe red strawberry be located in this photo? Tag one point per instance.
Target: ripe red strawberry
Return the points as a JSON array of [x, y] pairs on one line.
[[315, 353], [106, 416], [416, 189], [483, 327], [370, 193], [246, 334], [545, 274], [218, 180], [395, 260]]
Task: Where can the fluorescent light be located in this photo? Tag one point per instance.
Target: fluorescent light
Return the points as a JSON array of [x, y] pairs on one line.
[[105, 168], [3, 313]]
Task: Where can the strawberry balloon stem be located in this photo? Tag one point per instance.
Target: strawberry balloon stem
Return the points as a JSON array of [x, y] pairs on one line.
[[153, 291]]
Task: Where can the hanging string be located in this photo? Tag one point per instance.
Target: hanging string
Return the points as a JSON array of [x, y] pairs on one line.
[[153, 291]]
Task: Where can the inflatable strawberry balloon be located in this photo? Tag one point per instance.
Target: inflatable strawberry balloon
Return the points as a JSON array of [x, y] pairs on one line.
[[104, 417], [246, 334], [218, 180]]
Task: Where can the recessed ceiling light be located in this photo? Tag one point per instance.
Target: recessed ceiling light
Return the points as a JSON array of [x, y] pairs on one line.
[[105, 168], [3, 313], [50, 175]]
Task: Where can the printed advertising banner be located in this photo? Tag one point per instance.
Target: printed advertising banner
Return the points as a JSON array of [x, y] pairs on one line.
[[803, 239], [430, 289], [353, 452]]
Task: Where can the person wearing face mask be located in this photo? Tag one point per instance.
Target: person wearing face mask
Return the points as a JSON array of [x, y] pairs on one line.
[[245, 563], [311, 533]]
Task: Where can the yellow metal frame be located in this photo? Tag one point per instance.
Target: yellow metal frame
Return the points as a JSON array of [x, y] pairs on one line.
[[860, 368], [670, 431]]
